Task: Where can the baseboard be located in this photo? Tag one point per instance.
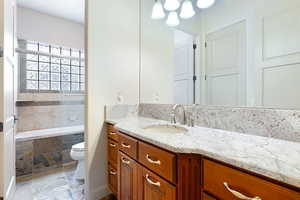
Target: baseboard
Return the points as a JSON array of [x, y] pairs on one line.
[[11, 189], [99, 192]]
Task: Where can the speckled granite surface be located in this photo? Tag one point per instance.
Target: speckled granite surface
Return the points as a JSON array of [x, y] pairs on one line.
[[274, 158], [274, 123]]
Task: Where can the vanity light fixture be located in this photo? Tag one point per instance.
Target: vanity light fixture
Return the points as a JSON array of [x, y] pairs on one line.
[[173, 19], [205, 3], [158, 11], [171, 5], [187, 10]]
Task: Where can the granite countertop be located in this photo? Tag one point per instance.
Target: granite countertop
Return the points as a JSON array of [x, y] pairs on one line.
[[274, 158]]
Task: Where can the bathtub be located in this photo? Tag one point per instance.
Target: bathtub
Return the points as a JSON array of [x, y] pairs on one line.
[[42, 151]]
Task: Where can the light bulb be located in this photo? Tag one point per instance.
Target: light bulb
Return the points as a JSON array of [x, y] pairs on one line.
[[187, 10], [171, 5], [172, 19], [158, 11], [205, 3]]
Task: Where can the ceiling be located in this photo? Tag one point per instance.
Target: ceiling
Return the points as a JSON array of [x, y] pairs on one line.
[[68, 9]]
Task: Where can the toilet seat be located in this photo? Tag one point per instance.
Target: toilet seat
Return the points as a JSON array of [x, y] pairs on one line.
[[78, 147]]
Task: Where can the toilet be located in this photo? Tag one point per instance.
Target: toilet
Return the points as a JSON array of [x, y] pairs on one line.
[[78, 153]]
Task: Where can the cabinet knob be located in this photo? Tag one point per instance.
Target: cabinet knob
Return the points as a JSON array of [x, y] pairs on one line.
[[112, 133], [126, 145], [152, 182], [156, 162], [238, 194]]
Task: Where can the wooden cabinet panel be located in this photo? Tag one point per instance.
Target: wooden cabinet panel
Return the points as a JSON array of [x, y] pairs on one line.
[[152, 187], [205, 196], [128, 145], [158, 160], [112, 152], [215, 175], [113, 179], [128, 182], [112, 132]]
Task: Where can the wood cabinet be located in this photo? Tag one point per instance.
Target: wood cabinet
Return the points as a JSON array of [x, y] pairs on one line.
[[205, 196], [113, 179], [128, 178], [153, 187], [158, 160], [224, 183], [138, 170], [128, 145], [112, 152], [112, 157]]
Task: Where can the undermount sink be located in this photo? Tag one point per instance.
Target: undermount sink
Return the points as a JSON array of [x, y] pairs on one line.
[[165, 128]]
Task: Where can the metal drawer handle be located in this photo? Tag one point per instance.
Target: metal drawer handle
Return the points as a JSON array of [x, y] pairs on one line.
[[112, 133], [126, 145], [151, 182], [112, 145], [127, 162], [238, 194], [156, 162], [113, 172]]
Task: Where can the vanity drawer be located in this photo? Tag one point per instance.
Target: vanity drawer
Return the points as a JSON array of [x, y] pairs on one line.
[[113, 179], [128, 145], [215, 176], [112, 132], [158, 160], [112, 152]]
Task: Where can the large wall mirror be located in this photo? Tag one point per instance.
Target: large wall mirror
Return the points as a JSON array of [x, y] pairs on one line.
[[226, 52]]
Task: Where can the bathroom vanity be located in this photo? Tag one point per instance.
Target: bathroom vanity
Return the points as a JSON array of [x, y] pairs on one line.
[[145, 166]]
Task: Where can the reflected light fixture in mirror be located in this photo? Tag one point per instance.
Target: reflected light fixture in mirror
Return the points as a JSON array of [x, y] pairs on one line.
[[171, 5], [205, 3], [158, 11], [173, 19], [187, 10]]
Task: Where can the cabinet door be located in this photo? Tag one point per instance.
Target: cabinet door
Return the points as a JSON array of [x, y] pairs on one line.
[[153, 187], [128, 171], [113, 179], [207, 197]]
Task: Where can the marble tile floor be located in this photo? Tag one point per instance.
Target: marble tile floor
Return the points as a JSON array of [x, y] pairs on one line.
[[58, 186]]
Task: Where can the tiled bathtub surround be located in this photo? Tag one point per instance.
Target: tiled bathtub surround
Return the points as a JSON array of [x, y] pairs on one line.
[[275, 123], [49, 110], [40, 155]]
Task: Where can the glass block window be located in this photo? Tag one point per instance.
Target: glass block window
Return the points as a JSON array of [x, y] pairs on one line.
[[46, 67]]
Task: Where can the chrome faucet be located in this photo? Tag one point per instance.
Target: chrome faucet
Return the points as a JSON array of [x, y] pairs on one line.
[[173, 114]]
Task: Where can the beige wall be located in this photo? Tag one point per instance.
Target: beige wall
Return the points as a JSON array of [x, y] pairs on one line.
[[36, 26], [113, 70]]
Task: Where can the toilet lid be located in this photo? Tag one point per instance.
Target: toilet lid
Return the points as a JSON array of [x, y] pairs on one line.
[[78, 147]]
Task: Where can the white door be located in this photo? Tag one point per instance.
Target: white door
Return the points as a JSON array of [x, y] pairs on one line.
[[7, 98], [226, 66], [184, 68]]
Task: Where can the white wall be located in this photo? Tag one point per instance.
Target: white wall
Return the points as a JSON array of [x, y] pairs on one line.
[[36, 26], [157, 63], [113, 68]]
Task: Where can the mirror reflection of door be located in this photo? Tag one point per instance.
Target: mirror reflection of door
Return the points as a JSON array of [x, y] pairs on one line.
[[184, 68], [225, 78]]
